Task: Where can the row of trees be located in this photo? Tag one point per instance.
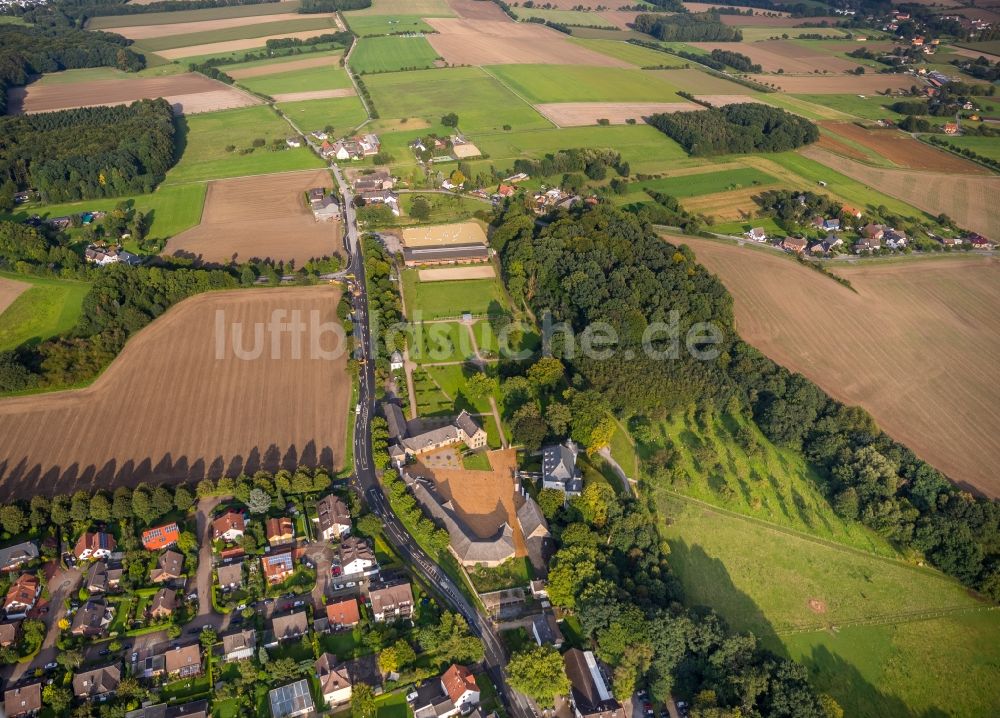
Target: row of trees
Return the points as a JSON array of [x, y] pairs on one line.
[[384, 302], [738, 128], [736, 60]]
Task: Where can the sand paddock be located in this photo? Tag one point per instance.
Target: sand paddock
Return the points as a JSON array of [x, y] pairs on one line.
[[576, 114], [443, 235], [447, 274], [463, 41], [927, 348], [264, 216], [169, 409], [11, 289], [189, 93]]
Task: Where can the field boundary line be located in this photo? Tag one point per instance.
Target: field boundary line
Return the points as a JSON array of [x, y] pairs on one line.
[[519, 96], [923, 570], [886, 619]]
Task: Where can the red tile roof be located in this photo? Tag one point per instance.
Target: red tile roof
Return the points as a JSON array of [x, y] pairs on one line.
[[344, 613], [159, 537], [457, 680]]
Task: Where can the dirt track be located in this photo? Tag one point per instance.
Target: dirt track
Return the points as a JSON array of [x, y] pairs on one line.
[[970, 200], [10, 289], [577, 114], [169, 410], [264, 216], [915, 346], [189, 93]]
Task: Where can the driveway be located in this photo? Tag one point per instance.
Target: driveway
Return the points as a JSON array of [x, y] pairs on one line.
[[204, 579], [321, 554]]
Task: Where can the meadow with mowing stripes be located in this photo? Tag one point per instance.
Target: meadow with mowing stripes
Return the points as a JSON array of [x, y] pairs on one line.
[[635, 54], [568, 83], [47, 308], [331, 77], [374, 25], [437, 300], [482, 103], [392, 53]]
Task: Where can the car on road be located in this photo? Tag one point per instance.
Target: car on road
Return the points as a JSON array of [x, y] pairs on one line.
[[51, 666], [351, 584], [105, 651], [298, 604], [335, 570]]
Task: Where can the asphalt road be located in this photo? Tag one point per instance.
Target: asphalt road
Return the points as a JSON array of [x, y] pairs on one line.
[[517, 705]]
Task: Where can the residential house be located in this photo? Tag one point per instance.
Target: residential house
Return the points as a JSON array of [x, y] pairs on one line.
[[589, 694], [229, 526], [159, 537], [381, 196], [103, 256], [328, 209], [343, 614], [277, 567], [894, 239], [183, 661], [22, 595], [333, 518], [164, 604], [169, 566], [374, 181], [756, 234], [91, 619], [850, 211], [796, 245], [94, 545], [559, 469], [291, 701], [867, 244], [23, 701], [460, 685], [294, 141], [463, 430], [978, 241], [396, 364], [13, 557], [97, 683], [280, 531], [10, 633], [391, 602], [195, 709], [506, 190], [102, 578], [545, 629], [432, 702], [950, 128], [289, 627], [230, 576], [356, 556], [239, 645], [334, 680]]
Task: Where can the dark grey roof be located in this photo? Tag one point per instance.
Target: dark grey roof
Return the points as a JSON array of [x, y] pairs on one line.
[[466, 423], [454, 251], [195, 709], [587, 695], [291, 700], [531, 519], [546, 629], [559, 464], [394, 417], [291, 626], [332, 511], [17, 554], [239, 640]]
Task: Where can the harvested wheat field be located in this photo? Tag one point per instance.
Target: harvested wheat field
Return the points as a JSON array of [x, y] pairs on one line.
[[696, 81], [145, 32], [758, 20], [278, 67], [621, 19], [915, 346], [774, 55], [313, 95], [178, 404], [462, 41], [901, 149], [11, 289], [969, 199], [723, 100], [264, 216], [484, 500], [448, 274], [576, 114], [836, 84], [444, 235], [189, 93], [218, 48], [725, 206], [478, 10]]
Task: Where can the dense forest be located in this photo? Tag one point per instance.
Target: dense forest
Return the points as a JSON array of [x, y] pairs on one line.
[[322, 6], [736, 60], [594, 163], [606, 266], [80, 10], [32, 50], [739, 128], [696, 27], [71, 155]]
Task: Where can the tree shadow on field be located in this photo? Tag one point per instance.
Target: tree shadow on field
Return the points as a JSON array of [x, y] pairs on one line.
[[181, 130], [20, 479]]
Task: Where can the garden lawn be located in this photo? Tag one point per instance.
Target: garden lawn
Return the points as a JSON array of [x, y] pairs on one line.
[[332, 77], [481, 102], [392, 53], [392, 705], [49, 307], [637, 55], [203, 140], [440, 342], [341, 113], [372, 25], [569, 83], [453, 382], [444, 208], [513, 573], [436, 300]]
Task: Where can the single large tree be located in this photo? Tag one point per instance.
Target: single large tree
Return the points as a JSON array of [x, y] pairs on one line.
[[538, 673]]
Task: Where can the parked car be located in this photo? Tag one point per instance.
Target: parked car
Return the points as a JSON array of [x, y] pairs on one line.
[[135, 657], [51, 666]]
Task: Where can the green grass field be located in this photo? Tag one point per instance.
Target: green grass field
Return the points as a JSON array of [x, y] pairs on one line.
[[986, 146], [204, 138], [481, 102], [699, 184], [754, 34], [440, 342], [566, 17], [569, 83], [320, 23], [91, 74], [444, 208], [373, 25], [990, 47], [423, 8], [638, 56], [287, 54], [873, 107], [163, 18], [436, 300], [391, 54], [342, 113], [332, 77], [49, 307]]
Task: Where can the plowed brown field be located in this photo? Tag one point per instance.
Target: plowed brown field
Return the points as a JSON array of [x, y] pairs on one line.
[[278, 67], [773, 55], [903, 150], [264, 216], [168, 409], [915, 346]]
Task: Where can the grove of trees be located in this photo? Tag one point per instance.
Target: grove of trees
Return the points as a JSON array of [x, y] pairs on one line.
[[739, 128]]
